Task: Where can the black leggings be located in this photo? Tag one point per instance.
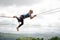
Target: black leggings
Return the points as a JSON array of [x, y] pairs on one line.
[[20, 19]]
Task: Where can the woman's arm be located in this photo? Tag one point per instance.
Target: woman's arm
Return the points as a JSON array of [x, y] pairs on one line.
[[31, 17]]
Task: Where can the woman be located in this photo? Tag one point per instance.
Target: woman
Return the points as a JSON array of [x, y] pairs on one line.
[[22, 17]]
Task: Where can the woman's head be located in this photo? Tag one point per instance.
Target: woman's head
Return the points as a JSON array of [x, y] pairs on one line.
[[30, 11]]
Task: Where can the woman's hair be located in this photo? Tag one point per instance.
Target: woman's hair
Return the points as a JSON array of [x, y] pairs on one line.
[[31, 11]]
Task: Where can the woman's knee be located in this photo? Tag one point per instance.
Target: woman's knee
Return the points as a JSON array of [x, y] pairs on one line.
[[22, 23]]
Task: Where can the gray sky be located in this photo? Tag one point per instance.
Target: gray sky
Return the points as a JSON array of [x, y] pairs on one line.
[[18, 2]]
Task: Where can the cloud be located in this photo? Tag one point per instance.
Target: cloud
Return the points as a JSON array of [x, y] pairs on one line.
[[17, 2], [5, 21]]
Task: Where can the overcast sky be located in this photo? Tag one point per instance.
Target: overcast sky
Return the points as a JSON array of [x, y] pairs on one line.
[[41, 23], [17, 2]]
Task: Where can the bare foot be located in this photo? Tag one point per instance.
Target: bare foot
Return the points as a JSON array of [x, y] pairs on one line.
[[17, 28], [14, 16]]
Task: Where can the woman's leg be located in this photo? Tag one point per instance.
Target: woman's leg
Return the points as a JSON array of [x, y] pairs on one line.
[[17, 18], [22, 22]]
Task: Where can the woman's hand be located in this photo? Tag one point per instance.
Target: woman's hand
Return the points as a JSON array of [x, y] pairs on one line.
[[35, 15]]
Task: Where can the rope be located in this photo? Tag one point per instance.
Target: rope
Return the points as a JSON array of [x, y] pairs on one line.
[[50, 11], [47, 12], [6, 16]]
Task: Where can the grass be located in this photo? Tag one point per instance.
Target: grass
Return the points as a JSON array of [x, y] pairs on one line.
[[31, 38]]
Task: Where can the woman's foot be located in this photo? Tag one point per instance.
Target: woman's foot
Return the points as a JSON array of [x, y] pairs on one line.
[[17, 28], [14, 16]]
